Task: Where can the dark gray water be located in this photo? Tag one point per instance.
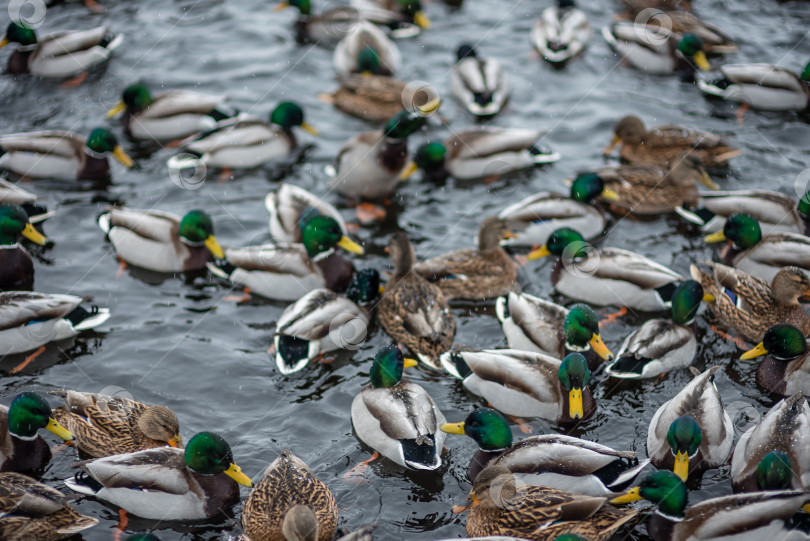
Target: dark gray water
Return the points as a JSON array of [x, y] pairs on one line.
[[175, 341]]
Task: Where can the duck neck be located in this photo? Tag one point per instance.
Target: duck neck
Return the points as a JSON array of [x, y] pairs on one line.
[[19, 59], [96, 166], [393, 154]]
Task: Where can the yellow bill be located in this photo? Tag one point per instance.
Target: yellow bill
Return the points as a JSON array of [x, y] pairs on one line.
[[410, 363], [235, 473], [213, 246], [758, 351], [59, 430], [610, 195], [702, 62], [599, 347], [350, 246], [122, 157], [409, 170], [119, 107], [421, 20], [4, 41], [281, 6], [381, 290], [707, 181], [539, 253], [309, 128], [708, 297], [33, 235], [176, 441], [720, 236], [615, 141], [632, 495], [575, 409], [453, 428], [681, 467]]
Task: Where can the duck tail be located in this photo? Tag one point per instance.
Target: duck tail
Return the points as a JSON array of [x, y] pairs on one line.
[[37, 213], [221, 269], [186, 160], [699, 216], [83, 483], [111, 41], [502, 308], [84, 319], [222, 112], [542, 154], [716, 87]]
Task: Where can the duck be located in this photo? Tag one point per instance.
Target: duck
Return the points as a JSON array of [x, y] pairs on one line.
[[760, 86], [759, 515], [784, 370], [535, 217], [526, 384], [552, 460], [485, 152], [61, 155], [561, 32], [405, 18], [61, 54], [648, 49], [161, 241], [326, 27], [398, 418], [166, 483], [503, 507], [691, 432], [758, 255], [301, 524], [105, 425], [322, 321], [12, 194], [778, 440], [679, 22], [245, 141], [22, 449], [366, 49], [478, 83], [634, 7], [413, 311], [751, 305], [288, 271], [475, 274], [375, 98], [169, 115], [279, 502], [660, 346], [534, 324], [33, 510], [662, 144], [30, 319], [289, 208], [605, 276], [16, 265]]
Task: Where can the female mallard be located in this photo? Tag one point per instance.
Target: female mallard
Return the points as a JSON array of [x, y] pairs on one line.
[[534, 324], [634, 7], [785, 369], [301, 524], [327, 27], [397, 418], [61, 155], [245, 141], [660, 346], [761, 86], [16, 265], [11, 194], [502, 507], [413, 311], [323, 321], [691, 432], [526, 384], [169, 115], [552, 460], [678, 23], [475, 274], [33, 510], [478, 83], [366, 49], [647, 49], [760, 256], [371, 97], [751, 305], [561, 32], [739, 516], [105, 425], [61, 54], [662, 144], [166, 483], [291, 206], [406, 18], [288, 271], [783, 430], [161, 241], [22, 449], [607, 276], [288, 488], [481, 153]]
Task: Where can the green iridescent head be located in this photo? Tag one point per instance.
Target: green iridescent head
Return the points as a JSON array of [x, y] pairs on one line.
[[685, 302], [368, 61], [102, 141], [30, 412], [743, 230], [666, 490], [487, 427], [774, 471], [581, 324], [364, 288], [19, 33], [684, 436], [804, 205], [410, 7], [144, 536], [287, 114], [208, 454], [430, 157], [784, 341], [403, 124], [587, 187], [806, 73], [136, 97], [690, 45], [13, 223], [304, 6], [386, 371], [196, 227], [559, 240], [320, 234], [573, 372]]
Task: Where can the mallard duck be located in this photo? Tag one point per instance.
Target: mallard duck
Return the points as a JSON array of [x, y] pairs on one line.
[[33, 510], [371, 97], [761, 86], [323, 321], [634, 7], [481, 153], [678, 22], [105, 425], [61, 54], [22, 449], [552, 460], [649, 49], [478, 83], [291, 206], [751, 305], [170, 115], [607, 276], [406, 18], [475, 274], [534, 324], [740, 516], [301, 524], [761, 256], [502, 507], [785, 368], [660, 346], [280, 500], [166, 483], [61, 155], [691, 432], [16, 265], [29, 320], [783, 430], [664, 143], [526, 384], [366, 49], [288, 271], [535, 217], [245, 141], [161, 241], [561, 32], [326, 27], [413, 311], [11, 194], [397, 418]]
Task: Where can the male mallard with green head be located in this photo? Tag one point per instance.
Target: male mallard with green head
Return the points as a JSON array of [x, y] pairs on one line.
[[785, 368], [16, 265], [22, 449], [366, 49], [761, 86], [644, 48]]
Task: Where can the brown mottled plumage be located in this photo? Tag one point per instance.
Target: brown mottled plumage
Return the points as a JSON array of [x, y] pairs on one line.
[[277, 507], [371, 97], [634, 7]]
